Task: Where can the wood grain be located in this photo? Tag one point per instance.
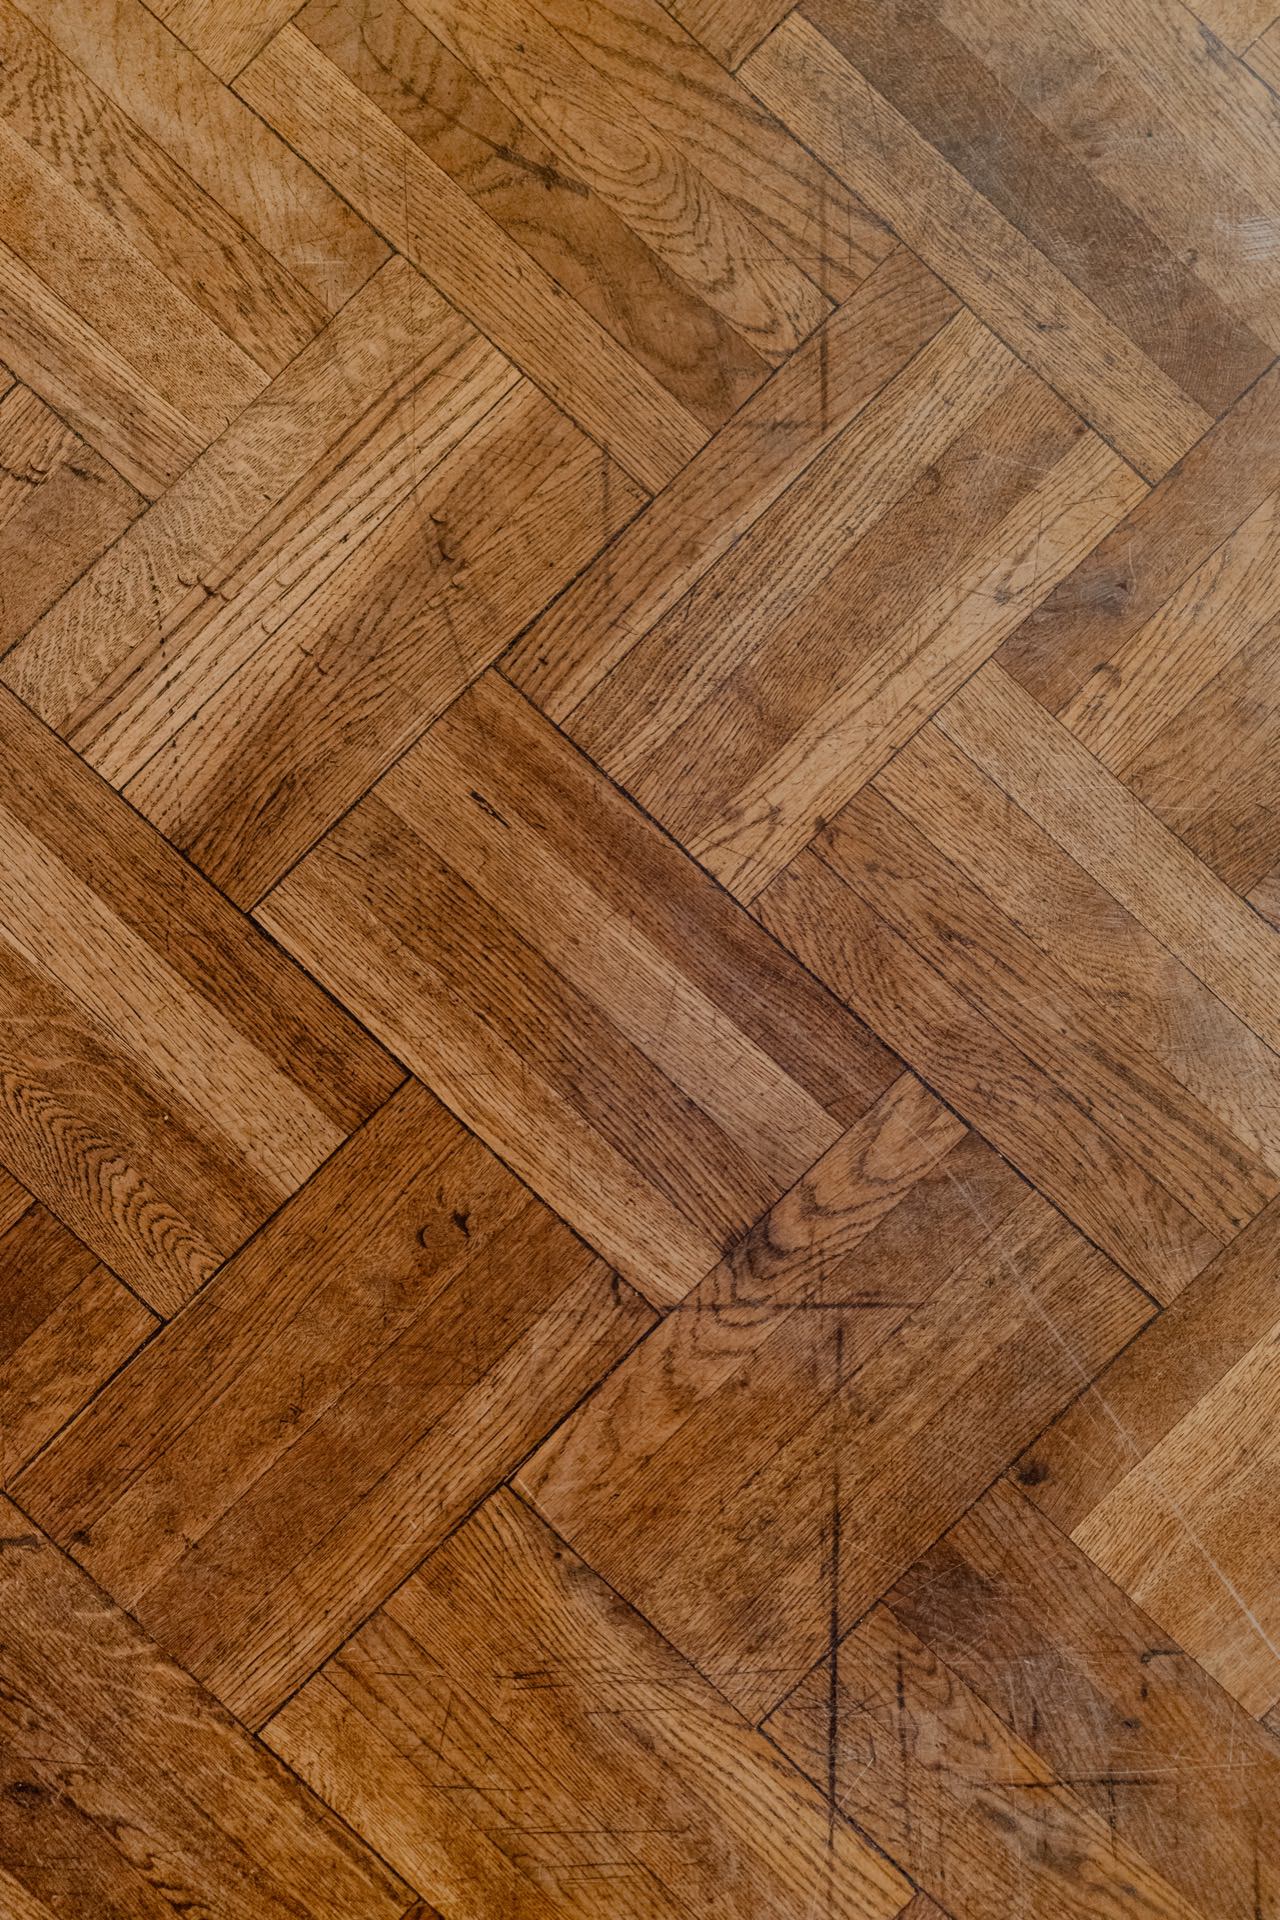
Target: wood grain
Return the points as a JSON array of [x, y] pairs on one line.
[[505, 1647], [437, 225], [61, 506], [768, 1436], [128, 1792], [68, 1324], [160, 1097], [660, 1082], [639, 959], [332, 1404], [745, 717]]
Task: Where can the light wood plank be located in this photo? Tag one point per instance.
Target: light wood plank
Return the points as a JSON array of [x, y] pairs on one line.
[[196, 243], [545, 206], [596, 129], [964, 236], [612, 1781], [577, 991], [225, 33], [933, 1774], [499, 286], [152, 78], [275, 739], [722, 493], [996, 1086], [161, 1095], [61, 504], [1123, 846], [1091, 1684], [729, 28], [95, 658], [807, 213], [332, 1405]]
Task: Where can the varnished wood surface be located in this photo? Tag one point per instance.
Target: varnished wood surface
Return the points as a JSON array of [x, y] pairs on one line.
[[639, 960]]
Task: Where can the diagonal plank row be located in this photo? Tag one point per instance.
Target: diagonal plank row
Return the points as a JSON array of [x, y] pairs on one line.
[[639, 959]]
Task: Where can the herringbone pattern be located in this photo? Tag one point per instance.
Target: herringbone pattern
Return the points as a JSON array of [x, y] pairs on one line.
[[639, 960]]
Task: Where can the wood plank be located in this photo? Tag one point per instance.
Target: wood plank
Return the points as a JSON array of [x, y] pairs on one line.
[[955, 228], [164, 89], [814, 220], [997, 1087], [1265, 897], [1011, 155], [802, 1451], [256, 769], [729, 29], [951, 920], [101, 396], [541, 199], [129, 1793], [1237, 23], [660, 1080], [89, 663], [1091, 1684], [1211, 772], [499, 286], [336, 1400], [722, 493], [1151, 678], [1097, 611], [124, 300], [169, 1077], [1264, 55], [66, 1324], [14, 1201], [61, 504], [1183, 711], [1115, 970], [327, 529], [595, 128], [747, 716], [79, 130], [520, 1741], [930, 1772], [1128, 131], [225, 33], [1161, 1474], [1123, 846]]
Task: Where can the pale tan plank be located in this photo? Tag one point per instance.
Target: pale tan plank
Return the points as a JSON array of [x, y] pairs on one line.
[[596, 129], [499, 286], [241, 164], [1126, 849], [225, 33], [1023, 296], [114, 166], [725, 489]]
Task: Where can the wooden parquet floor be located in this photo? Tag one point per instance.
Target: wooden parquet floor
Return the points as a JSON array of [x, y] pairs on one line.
[[639, 960]]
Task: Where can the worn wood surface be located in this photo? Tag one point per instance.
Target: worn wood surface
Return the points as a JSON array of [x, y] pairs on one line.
[[639, 959]]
